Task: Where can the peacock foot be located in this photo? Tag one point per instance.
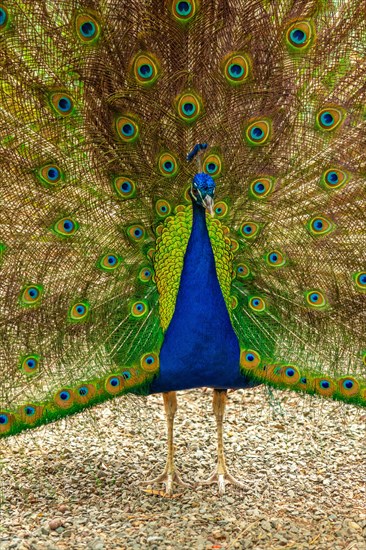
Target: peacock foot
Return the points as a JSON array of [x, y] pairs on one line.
[[169, 477], [220, 477]]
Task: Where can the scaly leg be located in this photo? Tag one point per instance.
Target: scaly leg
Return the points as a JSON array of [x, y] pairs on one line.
[[220, 474], [170, 474]]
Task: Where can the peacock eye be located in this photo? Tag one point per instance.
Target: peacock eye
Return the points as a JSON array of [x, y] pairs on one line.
[[31, 295], [319, 225], [64, 398], [249, 359], [109, 262], [3, 17], [195, 191], [145, 69], [237, 68], [221, 209], [334, 178], [114, 384], [189, 106], [316, 299], [257, 304], [150, 362], [260, 188], [50, 175], [124, 187], [30, 364], [62, 103], [184, 11], [212, 165], [348, 386], [360, 280], [79, 311], [139, 309], [329, 118], [162, 208], [87, 28], [127, 129], [300, 36], [168, 164], [258, 132]]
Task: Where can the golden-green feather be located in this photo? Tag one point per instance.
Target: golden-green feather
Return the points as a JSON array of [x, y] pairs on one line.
[[101, 101]]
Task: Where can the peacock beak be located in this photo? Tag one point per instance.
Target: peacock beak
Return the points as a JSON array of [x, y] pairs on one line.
[[208, 203]]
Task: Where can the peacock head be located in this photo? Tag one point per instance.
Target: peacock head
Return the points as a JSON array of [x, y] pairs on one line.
[[203, 191]]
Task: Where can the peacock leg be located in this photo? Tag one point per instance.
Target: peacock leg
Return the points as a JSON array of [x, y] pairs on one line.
[[220, 474], [170, 474]]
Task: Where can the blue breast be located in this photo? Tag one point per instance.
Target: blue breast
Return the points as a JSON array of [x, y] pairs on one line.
[[200, 347]]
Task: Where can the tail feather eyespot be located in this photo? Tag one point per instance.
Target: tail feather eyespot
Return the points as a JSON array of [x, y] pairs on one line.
[[348, 386], [212, 165], [65, 227], [168, 165], [87, 28], [150, 362], [163, 208], [320, 225], [127, 129], [275, 258], [31, 295], [324, 386], [62, 103], [64, 398], [79, 311], [109, 262], [249, 230], [4, 17], [189, 107], [258, 132], [257, 304], [249, 359], [242, 271], [30, 413], [316, 299], [300, 36], [124, 187], [29, 364], [139, 309], [146, 274], [50, 175], [360, 280], [221, 209], [330, 118], [145, 68], [114, 384], [136, 233], [334, 178], [261, 188], [237, 68], [6, 421], [273, 373], [184, 10], [290, 375], [85, 393]]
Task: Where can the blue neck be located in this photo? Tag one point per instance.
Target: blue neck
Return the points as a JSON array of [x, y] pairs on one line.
[[200, 347], [199, 263]]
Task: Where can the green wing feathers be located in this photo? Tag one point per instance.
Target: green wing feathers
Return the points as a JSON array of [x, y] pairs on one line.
[[100, 104]]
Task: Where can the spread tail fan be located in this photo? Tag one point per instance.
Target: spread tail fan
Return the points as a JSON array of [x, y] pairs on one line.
[[100, 104]]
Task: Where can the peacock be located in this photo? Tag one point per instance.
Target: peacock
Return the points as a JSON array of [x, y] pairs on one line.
[[182, 204]]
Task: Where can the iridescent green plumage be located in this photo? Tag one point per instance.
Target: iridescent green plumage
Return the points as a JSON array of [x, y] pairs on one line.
[[100, 104]]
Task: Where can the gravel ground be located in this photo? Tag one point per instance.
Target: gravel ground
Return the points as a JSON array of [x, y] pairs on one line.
[[75, 484]]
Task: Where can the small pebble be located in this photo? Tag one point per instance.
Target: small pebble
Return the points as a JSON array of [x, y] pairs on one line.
[[55, 523]]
